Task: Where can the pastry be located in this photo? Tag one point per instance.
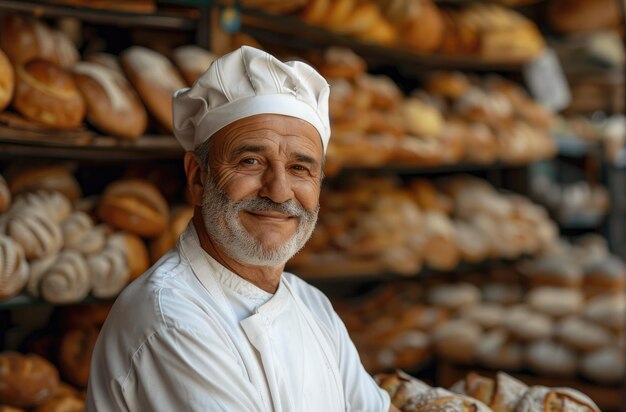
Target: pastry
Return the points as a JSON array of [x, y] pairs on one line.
[[47, 94], [192, 61], [26, 380], [7, 81], [450, 85], [155, 79], [14, 268], [75, 355], [112, 104], [551, 358], [68, 280], [109, 271], [52, 204], [134, 205], [422, 119], [37, 234], [165, 241], [134, 250]]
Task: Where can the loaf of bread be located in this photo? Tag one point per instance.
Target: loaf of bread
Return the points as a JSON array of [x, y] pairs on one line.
[[497, 350], [401, 387], [38, 268], [166, 240], [75, 355], [155, 79], [439, 399], [541, 398], [527, 325], [52, 204], [580, 16], [26, 380], [14, 270], [112, 104], [47, 94], [107, 60], [605, 365], [7, 81], [342, 63], [48, 178], [581, 334], [604, 276], [24, 38], [134, 250], [502, 394], [135, 206], [36, 233], [110, 272], [551, 358], [608, 310], [555, 302], [192, 61], [68, 280], [457, 341], [80, 234]]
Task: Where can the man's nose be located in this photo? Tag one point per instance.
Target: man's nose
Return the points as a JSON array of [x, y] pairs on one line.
[[275, 185]]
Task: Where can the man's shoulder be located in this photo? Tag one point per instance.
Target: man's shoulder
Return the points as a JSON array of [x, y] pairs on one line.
[[312, 297]]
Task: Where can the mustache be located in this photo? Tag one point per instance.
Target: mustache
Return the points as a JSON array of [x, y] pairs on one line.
[[289, 207]]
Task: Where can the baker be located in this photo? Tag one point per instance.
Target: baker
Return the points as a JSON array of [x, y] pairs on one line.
[[216, 325]]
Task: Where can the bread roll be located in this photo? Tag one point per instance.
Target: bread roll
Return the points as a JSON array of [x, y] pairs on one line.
[[7, 81], [75, 355], [473, 246], [135, 206], [24, 38], [607, 310], [438, 399], [135, 251], [166, 240], [80, 234], [424, 30], [496, 350], [155, 79], [439, 249], [502, 395], [582, 335], [38, 269], [554, 271], [316, 11], [422, 119], [527, 325], [14, 269], [454, 296], [555, 302], [581, 16], [37, 234], [192, 61], [457, 341], [487, 315], [26, 380], [542, 398], [112, 105], [451, 85], [68, 280], [46, 93], [52, 204], [342, 63], [48, 178], [401, 387], [604, 276], [502, 293], [110, 272], [551, 358]]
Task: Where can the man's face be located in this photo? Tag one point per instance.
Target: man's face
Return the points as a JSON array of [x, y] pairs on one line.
[[261, 197]]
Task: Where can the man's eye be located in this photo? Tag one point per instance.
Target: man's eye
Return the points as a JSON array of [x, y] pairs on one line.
[[250, 161], [299, 168]]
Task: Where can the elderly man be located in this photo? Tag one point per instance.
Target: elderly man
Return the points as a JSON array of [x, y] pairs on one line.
[[216, 325]]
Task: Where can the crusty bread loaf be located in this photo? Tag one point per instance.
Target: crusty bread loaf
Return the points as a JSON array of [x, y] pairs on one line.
[[75, 355], [439, 399], [342, 63], [192, 61], [107, 60], [155, 79], [7, 81], [135, 206], [581, 16], [166, 240], [46, 93], [110, 272], [112, 104], [24, 38], [52, 204], [37, 233], [457, 341], [581, 334], [541, 398], [14, 269], [26, 380], [502, 394], [49, 178], [38, 268], [68, 280]]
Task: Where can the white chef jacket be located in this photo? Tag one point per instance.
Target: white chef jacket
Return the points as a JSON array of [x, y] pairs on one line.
[[189, 335]]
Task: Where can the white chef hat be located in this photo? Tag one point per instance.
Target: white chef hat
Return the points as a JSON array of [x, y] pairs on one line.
[[244, 83]]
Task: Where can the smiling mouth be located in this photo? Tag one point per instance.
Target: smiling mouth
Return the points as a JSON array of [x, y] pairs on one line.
[[271, 215]]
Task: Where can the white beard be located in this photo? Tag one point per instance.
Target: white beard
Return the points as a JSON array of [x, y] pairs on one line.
[[222, 222]]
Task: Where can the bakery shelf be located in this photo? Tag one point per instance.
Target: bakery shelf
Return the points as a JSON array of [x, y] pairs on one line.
[[161, 20], [99, 148], [433, 170], [289, 31], [610, 398], [23, 300]]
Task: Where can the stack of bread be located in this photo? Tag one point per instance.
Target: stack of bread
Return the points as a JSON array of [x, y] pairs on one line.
[[488, 31], [482, 394], [60, 248], [405, 226], [455, 119], [42, 79]]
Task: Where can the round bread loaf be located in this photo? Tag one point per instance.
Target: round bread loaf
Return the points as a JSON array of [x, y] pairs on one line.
[[454, 296], [555, 302], [7, 81], [192, 61], [487, 315], [46, 93], [135, 206], [38, 268], [608, 310], [155, 79], [52, 204], [112, 104], [496, 350], [68, 280], [605, 365], [110, 272], [26, 380], [581, 334], [527, 325], [107, 60], [457, 341], [551, 358], [37, 233], [48, 178], [135, 251], [179, 220], [74, 228], [342, 63], [24, 38], [75, 355], [14, 269], [439, 399]]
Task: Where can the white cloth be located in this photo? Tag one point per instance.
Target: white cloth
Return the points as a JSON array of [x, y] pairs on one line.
[[244, 83], [191, 336]]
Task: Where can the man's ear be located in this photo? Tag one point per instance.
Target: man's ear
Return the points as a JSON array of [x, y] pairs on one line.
[[195, 178]]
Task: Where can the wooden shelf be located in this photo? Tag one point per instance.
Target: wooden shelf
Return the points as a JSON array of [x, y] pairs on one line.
[[23, 300], [101, 16]]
